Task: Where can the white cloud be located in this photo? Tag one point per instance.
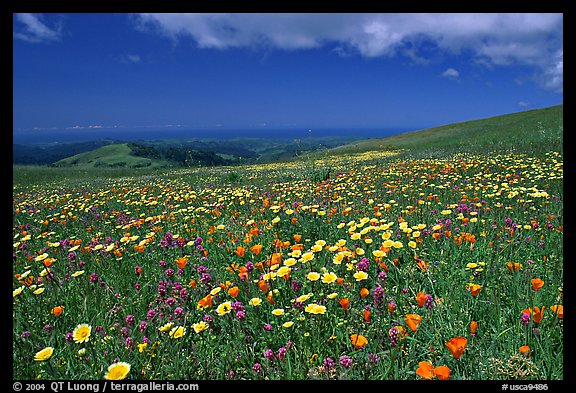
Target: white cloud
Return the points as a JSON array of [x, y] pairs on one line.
[[133, 58], [451, 73], [33, 28], [491, 39]]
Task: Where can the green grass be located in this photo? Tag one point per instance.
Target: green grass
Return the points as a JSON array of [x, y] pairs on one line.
[[136, 254], [523, 132], [115, 155]]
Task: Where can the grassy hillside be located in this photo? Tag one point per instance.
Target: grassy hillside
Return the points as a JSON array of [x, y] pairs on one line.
[[113, 156], [527, 130]]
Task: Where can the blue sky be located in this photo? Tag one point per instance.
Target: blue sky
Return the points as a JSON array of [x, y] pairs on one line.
[[246, 71]]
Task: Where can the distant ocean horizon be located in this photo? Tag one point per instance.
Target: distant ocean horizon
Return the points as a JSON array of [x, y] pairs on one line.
[[96, 134]]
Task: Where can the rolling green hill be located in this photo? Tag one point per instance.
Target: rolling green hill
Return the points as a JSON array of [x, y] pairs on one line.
[[526, 130], [110, 156]]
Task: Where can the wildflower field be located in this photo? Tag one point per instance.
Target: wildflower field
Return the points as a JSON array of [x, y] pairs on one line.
[[380, 265]]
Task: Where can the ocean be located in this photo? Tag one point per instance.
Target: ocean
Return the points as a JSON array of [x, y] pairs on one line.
[[116, 134]]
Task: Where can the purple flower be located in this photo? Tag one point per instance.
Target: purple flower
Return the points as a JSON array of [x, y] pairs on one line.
[[345, 361], [429, 301], [170, 301], [281, 353], [130, 320], [178, 311], [249, 268], [151, 314], [328, 363], [267, 327], [394, 335], [363, 265], [169, 272], [143, 325], [240, 315], [205, 278], [269, 354], [525, 319], [257, 367]]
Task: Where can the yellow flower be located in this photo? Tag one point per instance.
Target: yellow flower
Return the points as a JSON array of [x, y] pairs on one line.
[[288, 324], [214, 291], [328, 278], [117, 371], [44, 354], [18, 291], [303, 298], [313, 276], [307, 257], [177, 332], [359, 276], [141, 347], [314, 308], [82, 333], [278, 311], [78, 273], [200, 327], [224, 308], [39, 291], [289, 262], [255, 301], [283, 271], [166, 327], [41, 257]]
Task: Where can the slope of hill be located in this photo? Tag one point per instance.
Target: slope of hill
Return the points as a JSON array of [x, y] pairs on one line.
[[115, 156], [522, 130]]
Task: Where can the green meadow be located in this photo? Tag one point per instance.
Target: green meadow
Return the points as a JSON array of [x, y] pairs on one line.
[[430, 255]]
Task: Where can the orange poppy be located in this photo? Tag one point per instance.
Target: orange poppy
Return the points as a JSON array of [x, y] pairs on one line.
[[538, 314], [263, 285], [234, 292], [513, 267], [366, 314], [364, 292], [345, 302], [524, 350], [537, 284], [243, 272], [182, 262], [192, 283], [240, 251], [206, 301], [474, 289], [425, 370], [558, 310], [48, 261], [473, 327], [276, 259], [413, 320], [57, 311], [442, 372], [358, 340], [456, 346], [423, 265], [421, 299], [270, 298], [256, 249], [340, 280]]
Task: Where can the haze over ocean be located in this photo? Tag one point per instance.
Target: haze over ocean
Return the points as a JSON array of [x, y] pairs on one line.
[[85, 135]]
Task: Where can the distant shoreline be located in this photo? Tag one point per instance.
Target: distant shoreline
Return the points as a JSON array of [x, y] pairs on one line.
[[86, 135]]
